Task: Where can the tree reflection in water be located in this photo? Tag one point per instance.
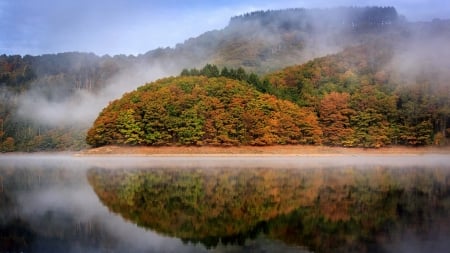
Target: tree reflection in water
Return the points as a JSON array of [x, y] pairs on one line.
[[336, 209]]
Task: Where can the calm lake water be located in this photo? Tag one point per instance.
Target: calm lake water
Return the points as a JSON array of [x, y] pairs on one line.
[[62, 203]]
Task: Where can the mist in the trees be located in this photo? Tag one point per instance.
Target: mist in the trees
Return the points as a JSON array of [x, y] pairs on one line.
[[424, 54], [316, 36], [51, 100], [80, 106]]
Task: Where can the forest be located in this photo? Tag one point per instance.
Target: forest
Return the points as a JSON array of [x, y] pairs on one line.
[[335, 100], [367, 76], [202, 111], [361, 101]]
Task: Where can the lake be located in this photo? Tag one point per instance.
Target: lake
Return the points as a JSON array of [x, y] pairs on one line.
[[348, 203]]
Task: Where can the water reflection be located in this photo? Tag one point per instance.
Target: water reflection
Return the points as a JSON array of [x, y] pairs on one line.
[[47, 205], [338, 209], [68, 204]]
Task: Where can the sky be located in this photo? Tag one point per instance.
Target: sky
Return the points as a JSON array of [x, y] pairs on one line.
[[114, 27]]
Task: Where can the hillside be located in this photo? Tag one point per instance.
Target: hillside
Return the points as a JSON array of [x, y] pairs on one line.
[[364, 96], [202, 111], [48, 102], [346, 99], [264, 41]]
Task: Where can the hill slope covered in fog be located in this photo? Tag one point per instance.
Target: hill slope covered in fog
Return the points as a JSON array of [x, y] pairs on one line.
[[49, 101]]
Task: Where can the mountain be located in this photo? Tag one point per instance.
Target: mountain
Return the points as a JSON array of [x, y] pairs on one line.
[[49, 101]]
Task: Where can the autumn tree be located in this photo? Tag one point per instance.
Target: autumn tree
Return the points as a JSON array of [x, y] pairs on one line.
[[334, 117]]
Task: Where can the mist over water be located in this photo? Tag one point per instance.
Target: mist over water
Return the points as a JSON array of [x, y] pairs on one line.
[[50, 200]]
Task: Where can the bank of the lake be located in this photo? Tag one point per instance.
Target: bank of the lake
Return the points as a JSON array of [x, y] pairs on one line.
[[278, 150]]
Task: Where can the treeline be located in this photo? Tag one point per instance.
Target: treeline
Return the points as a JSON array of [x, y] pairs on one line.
[[55, 78], [211, 70], [355, 18], [261, 84]]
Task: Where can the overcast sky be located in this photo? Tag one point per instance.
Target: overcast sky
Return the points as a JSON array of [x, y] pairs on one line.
[[137, 26]]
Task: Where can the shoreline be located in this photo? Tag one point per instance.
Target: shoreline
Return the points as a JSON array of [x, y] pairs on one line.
[[278, 150]]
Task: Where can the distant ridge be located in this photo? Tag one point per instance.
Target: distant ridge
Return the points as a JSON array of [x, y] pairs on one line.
[[350, 17]]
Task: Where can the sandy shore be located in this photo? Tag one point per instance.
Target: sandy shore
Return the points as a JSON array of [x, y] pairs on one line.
[[297, 150]]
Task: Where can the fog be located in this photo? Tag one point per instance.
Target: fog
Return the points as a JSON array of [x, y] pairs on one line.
[[423, 52], [423, 55], [363, 160], [51, 196], [67, 208], [91, 217], [83, 106], [52, 106]]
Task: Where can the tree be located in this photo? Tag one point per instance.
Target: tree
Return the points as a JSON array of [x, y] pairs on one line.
[[335, 114], [225, 72], [185, 72], [130, 128], [373, 122], [210, 71], [8, 145], [190, 127]]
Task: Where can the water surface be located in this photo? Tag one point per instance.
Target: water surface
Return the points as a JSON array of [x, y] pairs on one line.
[[223, 204]]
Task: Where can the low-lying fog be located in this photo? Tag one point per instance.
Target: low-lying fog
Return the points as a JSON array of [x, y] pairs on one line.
[[58, 201], [219, 161]]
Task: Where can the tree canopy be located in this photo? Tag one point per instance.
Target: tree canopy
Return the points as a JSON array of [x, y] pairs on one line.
[[197, 110], [361, 100]]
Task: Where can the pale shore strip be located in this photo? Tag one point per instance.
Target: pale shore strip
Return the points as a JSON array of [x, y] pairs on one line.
[[280, 150]]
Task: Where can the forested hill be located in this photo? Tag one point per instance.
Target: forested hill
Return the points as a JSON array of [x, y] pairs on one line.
[[264, 41], [199, 110], [354, 99], [353, 18], [48, 102], [362, 97]]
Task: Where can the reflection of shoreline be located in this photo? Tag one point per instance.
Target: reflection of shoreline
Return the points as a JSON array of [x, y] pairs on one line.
[[348, 209], [50, 208], [280, 150]]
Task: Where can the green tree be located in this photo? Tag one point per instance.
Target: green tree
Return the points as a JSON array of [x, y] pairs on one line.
[[190, 127], [210, 71], [129, 127]]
